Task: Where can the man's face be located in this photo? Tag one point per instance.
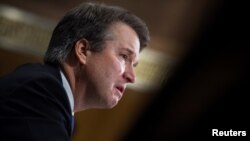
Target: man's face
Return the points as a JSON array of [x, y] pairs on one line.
[[111, 69]]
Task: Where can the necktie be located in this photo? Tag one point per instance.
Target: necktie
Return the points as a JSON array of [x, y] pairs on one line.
[[72, 123]]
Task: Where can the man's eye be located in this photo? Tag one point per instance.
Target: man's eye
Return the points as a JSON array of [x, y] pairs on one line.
[[124, 56]]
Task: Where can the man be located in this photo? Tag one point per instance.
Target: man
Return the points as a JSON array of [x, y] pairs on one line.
[[90, 59]]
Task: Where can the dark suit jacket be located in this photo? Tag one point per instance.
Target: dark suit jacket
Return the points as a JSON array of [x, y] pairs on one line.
[[34, 105]]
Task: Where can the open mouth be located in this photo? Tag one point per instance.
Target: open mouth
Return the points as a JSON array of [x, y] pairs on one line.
[[120, 88]]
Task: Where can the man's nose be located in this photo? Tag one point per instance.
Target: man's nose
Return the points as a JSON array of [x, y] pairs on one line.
[[129, 75]]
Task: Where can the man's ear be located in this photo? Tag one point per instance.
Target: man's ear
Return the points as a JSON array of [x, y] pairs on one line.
[[81, 48]]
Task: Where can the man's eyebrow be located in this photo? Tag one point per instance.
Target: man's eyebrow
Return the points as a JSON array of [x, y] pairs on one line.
[[131, 52]]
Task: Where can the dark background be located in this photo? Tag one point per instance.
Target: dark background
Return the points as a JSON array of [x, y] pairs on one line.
[[209, 89]]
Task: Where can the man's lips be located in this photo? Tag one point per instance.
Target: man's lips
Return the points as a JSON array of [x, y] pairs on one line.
[[120, 88]]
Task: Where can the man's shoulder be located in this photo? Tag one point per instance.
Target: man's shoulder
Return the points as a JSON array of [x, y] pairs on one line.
[[37, 70], [31, 72], [33, 78]]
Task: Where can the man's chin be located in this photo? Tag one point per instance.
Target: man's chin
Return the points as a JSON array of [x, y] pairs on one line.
[[113, 103]]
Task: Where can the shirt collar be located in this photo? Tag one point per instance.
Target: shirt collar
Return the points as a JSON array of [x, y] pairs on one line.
[[68, 91]]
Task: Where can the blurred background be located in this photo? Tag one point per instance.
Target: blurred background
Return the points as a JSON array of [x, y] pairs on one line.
[[191, 79]]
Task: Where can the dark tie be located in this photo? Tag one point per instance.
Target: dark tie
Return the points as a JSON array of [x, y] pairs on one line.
[[72, 123]]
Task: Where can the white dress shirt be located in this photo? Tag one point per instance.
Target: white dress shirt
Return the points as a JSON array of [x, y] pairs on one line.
[[68, 91]]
